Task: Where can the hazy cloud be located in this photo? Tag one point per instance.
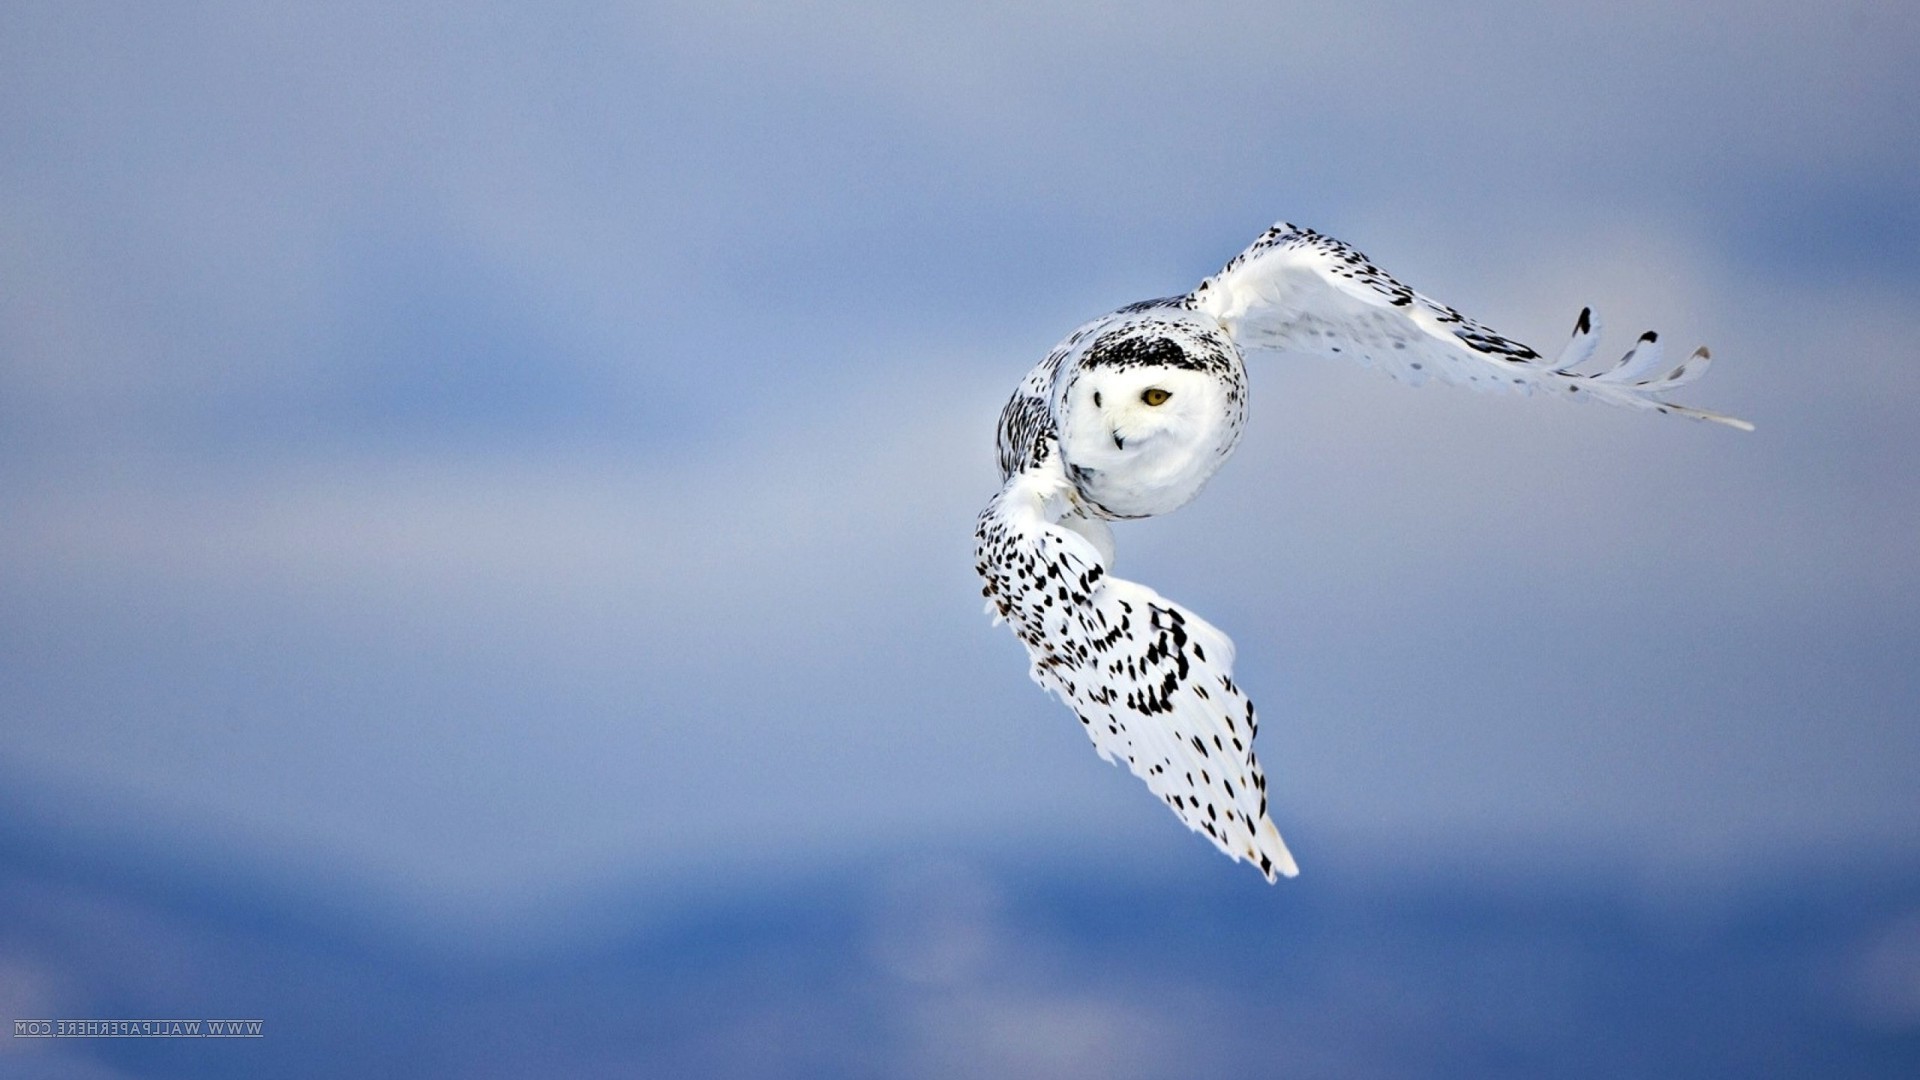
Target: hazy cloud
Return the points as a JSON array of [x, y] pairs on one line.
[[501, 452]]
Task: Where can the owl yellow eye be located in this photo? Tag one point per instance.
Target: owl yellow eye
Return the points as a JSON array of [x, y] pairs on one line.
[[1153, 395]]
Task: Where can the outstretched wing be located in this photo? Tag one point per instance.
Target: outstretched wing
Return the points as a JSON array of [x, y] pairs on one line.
[[1151, 681], [1297, 290]]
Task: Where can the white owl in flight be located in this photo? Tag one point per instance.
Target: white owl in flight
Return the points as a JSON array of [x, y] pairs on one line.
[[1130, 416]]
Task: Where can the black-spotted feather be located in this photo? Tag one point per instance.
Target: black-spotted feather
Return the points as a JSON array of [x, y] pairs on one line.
[[1151, 682]]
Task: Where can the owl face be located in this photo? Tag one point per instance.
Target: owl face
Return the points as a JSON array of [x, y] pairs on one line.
[[1144, 438], [1141, 409]]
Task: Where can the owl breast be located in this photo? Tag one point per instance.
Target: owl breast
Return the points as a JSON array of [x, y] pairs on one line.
[[1160, 477]]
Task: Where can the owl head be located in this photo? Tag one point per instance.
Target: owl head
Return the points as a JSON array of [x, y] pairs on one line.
[[1150, 411]]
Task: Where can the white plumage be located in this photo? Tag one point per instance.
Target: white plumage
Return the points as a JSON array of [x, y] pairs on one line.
[[1133, 413]]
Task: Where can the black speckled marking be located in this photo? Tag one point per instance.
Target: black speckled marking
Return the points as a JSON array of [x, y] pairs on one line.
[[1142, 345]]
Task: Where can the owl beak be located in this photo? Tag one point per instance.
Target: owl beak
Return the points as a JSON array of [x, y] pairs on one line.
[[1119, 441]]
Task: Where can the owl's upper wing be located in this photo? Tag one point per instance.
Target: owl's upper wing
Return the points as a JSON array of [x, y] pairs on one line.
[[1297, 290], [1151, 681]]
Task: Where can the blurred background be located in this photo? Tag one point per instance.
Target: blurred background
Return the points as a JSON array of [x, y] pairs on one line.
[[485, 559]]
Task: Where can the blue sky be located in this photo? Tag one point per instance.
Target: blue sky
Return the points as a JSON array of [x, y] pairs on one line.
[[470, 460]]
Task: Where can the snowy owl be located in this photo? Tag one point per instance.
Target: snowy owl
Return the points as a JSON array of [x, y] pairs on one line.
[[1129, 417]]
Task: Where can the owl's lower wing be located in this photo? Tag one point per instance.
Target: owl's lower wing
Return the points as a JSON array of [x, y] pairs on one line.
[[1151, 681], [1296, 290]]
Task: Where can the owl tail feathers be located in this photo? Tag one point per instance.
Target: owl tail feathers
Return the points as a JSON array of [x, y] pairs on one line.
[[1270, 853]]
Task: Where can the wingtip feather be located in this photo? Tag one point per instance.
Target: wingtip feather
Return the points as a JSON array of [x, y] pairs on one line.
[[1278, 859]]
